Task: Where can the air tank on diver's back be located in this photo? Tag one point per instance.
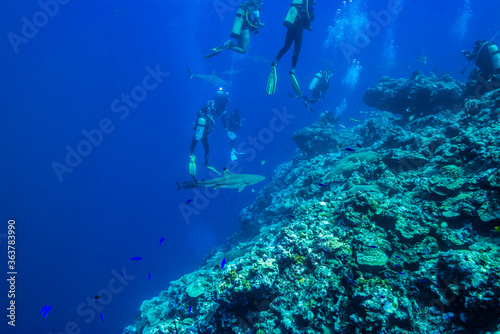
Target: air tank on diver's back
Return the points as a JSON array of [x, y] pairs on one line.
[[200, 127]]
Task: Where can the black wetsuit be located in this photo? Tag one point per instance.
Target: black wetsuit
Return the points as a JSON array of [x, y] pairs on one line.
[[234, 124], [296, 32], [221, 99], [209, 125]]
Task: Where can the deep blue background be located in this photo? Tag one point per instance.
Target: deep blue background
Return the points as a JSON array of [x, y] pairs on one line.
[[122, 198]]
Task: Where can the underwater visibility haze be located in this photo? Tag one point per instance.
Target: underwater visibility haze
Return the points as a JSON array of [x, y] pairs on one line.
[[169, 168]]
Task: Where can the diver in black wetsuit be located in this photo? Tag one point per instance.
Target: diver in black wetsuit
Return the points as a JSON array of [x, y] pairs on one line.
[[299, 17], [221, 100], [486, 73], [202, 127]]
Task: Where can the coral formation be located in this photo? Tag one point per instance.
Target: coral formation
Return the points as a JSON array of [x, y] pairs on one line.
[[419, 94], [399, 237]]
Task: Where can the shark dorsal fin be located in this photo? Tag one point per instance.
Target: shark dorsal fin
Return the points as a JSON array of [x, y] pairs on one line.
[[227, 172]]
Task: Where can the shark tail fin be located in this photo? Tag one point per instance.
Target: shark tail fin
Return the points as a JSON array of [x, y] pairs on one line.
[[190, 73], [179, 186]]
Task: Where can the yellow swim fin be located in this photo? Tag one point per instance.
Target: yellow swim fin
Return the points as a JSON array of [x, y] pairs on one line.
[[295, 83], [272, 81], [213, 169]]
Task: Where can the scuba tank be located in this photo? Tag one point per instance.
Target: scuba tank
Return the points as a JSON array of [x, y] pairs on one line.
[[294, 10], [495, 57], [200, 128], [238, 21], [315, 81]]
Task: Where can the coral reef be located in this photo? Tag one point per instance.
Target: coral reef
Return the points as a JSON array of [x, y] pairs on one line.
[[419, 94], [400, 236]]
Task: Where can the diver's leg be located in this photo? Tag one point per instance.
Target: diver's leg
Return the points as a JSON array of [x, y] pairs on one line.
[[204, 141], [243, 42], [193, 145], [288, 44], [299, 37]]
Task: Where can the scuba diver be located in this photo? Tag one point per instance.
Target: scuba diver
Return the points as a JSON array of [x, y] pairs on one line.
[[486, 58], [247, 21], [233, 127], [202, 127], [299, 17], [319, 85], [220, 99]]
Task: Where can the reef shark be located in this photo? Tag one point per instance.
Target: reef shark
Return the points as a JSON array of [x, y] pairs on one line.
[[232, 71], [232, 181], [209, 78], [422, 58]]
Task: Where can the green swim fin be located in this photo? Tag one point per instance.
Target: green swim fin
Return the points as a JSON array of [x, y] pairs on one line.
[[219, 49], [272, 81], [295, 83]]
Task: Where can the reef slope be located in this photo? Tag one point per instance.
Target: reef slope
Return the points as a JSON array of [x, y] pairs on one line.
[[396, 237]]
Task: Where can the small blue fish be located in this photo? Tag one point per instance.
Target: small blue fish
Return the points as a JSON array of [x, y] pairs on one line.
[[397, 256], [424, 280], [401, 273], [322, 185], [223, 263], [291, 216], [137, 258], [397, 265], [45, 311], [162, 240], [102, 318], [373, 246], [149, 276], [190, 310], [350, 149], [121, 273], [189, 201]]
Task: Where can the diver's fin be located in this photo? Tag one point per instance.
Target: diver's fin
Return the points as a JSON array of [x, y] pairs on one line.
[[213, 169], [272, 81], [215, 52], [293, 96], [308, 106], [295, 83], [219, 49]]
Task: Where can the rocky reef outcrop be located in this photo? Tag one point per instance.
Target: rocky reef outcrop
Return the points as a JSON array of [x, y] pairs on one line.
[[420, 94], [397, 234]]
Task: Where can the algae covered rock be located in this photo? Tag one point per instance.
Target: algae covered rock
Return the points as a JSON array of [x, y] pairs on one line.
[[372, 259], [448, 181], [420, 94], [196, 288]]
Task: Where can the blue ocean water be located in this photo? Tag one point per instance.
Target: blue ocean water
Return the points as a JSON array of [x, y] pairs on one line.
[[69, 74]]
